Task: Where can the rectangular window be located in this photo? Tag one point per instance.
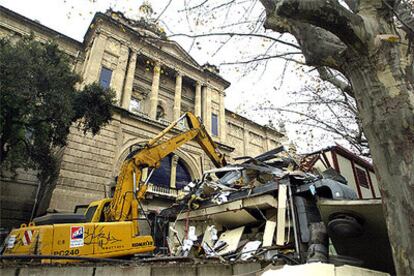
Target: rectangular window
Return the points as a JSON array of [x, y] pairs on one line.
[[362, 177], [135, 105], [214, 124], [105, 77]]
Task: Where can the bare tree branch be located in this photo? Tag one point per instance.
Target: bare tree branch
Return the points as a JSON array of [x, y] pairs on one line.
[[257, 59], [311, 120], [223, 5], [327, 75], [194, 7], [163, 11], [237, 34]]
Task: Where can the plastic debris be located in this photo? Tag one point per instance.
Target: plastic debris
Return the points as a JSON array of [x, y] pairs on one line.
[[249, 249]]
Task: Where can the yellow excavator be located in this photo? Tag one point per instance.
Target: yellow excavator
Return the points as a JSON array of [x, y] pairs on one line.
[[110, 226]]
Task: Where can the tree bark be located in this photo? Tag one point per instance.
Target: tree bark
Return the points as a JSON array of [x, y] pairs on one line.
[[386, 107], [377, 58]]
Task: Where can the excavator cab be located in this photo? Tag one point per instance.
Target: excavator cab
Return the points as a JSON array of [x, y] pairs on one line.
[[95, 210]]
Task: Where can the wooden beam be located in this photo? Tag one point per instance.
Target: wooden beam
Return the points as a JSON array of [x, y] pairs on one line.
[[356, 179], [281, 215], [335, 161], [270, 227], [326, 160]]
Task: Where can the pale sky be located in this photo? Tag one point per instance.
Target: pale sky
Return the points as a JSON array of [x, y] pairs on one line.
[[72, 18]]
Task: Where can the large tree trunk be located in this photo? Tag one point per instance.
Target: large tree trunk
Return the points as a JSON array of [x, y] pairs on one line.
[[374, 51], [386, 104]]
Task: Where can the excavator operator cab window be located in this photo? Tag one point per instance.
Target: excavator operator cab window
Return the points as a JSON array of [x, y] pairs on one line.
[[105, 207], [80, 209], [90, 212]]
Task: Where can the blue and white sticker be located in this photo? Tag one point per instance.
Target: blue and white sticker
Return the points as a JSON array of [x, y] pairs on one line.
[[76, 236]]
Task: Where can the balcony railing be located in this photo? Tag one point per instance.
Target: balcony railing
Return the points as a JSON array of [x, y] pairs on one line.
[[164, 191]]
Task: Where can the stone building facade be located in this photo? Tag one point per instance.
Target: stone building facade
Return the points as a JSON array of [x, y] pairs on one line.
[[155, 81]]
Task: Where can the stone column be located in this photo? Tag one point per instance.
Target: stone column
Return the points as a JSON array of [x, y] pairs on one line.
[[206, 107], [177, 96], [264, 142], [119, 74], [129, 81], [197, 105], [93, 65], [154, 91], [174, 162], [222, 118], [246, 141]]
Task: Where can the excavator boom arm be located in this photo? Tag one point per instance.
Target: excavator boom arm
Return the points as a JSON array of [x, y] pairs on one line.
[[206, 142], [124, 204]]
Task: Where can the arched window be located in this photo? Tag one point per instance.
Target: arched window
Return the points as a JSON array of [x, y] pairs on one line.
[[162, 175], [160, 112]]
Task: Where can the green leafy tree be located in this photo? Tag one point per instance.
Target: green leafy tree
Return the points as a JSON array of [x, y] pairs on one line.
[[39, 102]]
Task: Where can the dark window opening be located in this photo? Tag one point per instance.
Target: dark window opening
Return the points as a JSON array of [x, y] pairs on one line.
[[105, 77], [183, 176], [362, 177], [162, 175], [160, 113], [214, 124]]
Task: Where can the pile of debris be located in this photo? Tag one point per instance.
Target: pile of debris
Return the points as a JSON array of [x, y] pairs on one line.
[[216, 185], [246, 211]]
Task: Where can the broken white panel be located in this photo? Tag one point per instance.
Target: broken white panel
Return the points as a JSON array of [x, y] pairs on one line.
[[177, 230], [208, 250], [192, 233], [281, 215], [270, 228], [187, 245], [232, 239], [209, 239], [210, 236], [249, 249]]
